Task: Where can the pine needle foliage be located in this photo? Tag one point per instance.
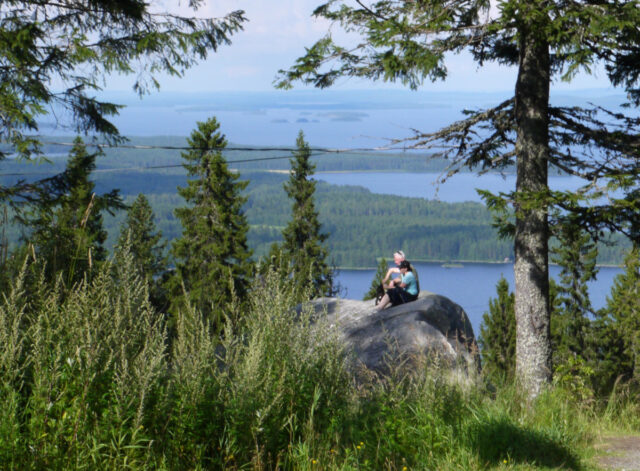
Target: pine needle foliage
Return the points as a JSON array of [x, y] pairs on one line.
[[303, 245], [146, 246], [576, 254], [56, 57], [212, 257], [497, 337], [67, 231], [623, 314]]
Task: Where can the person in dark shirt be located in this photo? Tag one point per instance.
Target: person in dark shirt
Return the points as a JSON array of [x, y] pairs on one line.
[[404, 291]]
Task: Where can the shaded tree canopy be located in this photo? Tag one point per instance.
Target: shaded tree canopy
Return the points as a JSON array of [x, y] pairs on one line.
[[54, 57], [68, 233], [545, 40]]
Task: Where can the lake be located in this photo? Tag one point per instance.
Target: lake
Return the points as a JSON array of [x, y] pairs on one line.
[[470, 286], [458, 189]]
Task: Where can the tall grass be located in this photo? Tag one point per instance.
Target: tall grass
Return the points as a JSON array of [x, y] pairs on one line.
[[90, 380]]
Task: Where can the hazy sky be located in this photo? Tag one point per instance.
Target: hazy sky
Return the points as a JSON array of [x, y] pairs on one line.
[[276, 34]]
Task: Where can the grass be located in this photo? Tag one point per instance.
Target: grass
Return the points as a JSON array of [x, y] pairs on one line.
[[91, 379]]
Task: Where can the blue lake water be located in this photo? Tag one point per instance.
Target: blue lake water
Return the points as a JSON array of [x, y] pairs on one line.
[[458, 189], [470, 286]]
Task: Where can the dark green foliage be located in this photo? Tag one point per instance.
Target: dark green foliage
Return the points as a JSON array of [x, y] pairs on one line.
[[497, 337], [66, 230], [623, 316], [576, 254], [381, 272], [146, 246], [303, 247], [212, 257]]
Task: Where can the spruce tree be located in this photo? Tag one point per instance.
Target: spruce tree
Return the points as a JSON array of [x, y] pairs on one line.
[[146, 245], [576, 254], [623, 313], [497, 339], [212, 257], [303, 245], [68, 235], [545, 41], [381, 272]]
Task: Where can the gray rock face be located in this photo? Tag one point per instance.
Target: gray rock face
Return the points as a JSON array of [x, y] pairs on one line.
[[432, 327]]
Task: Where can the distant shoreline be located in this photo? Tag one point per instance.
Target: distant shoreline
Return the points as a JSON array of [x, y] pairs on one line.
[[469, 262]]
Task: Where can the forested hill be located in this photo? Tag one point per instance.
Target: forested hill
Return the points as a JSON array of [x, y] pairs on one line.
[[362, 226]]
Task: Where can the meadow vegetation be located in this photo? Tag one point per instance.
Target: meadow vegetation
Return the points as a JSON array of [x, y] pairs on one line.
[[92, 377]]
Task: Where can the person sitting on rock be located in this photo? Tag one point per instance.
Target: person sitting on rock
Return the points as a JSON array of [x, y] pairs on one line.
[[403, 292], [398, 258]]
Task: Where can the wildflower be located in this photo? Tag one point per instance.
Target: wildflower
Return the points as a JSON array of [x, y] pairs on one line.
[[504, 461], [358, 447], [313, 461], [404, 468]]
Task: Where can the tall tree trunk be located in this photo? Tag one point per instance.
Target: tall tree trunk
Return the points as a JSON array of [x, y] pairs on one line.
[[533, 347]]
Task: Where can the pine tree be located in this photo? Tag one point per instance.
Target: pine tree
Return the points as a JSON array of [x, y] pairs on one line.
[[146, 246], [212, 257], [381, 272], [546, 41], [576, 254], [623, 312], [68, 235], [303, 246], [497, 337]]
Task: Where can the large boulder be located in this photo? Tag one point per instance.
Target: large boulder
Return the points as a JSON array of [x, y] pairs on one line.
[[433, 327]]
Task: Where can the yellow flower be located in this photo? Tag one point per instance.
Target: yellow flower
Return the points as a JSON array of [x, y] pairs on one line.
[[404, 468], [313, 461], [504, 461], [361, 443], [358, 447]]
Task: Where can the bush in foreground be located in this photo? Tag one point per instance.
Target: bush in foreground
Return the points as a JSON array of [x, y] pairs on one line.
[[90, 380]]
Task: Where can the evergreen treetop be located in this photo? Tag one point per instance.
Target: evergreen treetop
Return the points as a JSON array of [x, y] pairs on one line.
[[497, 339], [303, 246], [212, 256], [68, 233], [144, 242]]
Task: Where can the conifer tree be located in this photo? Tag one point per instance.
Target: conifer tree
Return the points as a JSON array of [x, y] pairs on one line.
[[623, 313], [381, 272], [545, 41], [68, 235], [212, 257], [145, 244], [497, 337], [303, 245], [576, 254]]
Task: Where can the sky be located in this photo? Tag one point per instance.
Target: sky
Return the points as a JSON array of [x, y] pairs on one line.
[[277, 33]]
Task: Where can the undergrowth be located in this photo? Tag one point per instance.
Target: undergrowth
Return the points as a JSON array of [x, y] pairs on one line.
[[90, 380]]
